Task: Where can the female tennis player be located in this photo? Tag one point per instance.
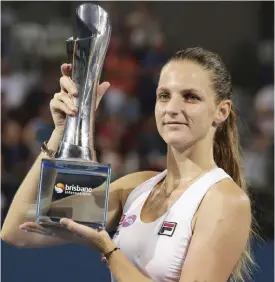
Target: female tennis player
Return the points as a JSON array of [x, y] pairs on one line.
[[191, 222]]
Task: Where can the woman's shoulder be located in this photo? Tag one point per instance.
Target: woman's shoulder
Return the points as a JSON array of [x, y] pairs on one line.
[[225, 197], [228, 190]]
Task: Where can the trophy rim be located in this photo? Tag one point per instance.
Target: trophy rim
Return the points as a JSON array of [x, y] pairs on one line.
[[103, 11], [92, 5]]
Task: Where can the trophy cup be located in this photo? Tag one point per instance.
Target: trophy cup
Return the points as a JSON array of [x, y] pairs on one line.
[[73, 184]]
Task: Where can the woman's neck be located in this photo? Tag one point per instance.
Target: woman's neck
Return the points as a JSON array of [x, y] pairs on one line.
[[184, 166]]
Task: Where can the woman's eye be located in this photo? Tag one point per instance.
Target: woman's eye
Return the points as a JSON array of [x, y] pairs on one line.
[[163, 96], [191, 97]]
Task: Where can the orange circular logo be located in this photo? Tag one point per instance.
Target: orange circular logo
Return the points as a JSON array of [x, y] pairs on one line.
[[59, 187]]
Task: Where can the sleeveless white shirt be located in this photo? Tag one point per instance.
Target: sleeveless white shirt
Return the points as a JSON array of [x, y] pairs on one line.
[[158, 249]]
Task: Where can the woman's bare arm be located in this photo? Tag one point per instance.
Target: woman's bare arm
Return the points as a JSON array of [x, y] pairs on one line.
[[220, 234], [24, 199], [26, 195]]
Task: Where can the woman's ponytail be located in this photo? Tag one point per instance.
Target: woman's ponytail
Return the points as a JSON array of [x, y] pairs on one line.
[[226, 149]]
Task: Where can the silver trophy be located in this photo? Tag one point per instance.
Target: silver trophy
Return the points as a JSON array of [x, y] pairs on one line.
[[74, 185]]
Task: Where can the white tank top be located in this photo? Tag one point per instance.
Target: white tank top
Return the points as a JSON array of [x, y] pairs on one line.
[[158, 249]]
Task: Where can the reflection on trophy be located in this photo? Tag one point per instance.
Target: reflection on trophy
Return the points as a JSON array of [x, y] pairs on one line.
[[74, 173]]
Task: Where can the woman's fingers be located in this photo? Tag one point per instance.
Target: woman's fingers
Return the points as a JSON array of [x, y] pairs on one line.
[[66, 69], [64, 98], [102, 88], [36, 228], [31, 225], [66, 82], [80, 230], [62, 103], [68, 86], [37, 231], [98, 239]]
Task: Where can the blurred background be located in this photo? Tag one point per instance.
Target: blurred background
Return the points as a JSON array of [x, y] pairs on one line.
[[144, 35]]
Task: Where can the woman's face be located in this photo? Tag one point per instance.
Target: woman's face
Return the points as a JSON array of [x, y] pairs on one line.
[[185, 104]]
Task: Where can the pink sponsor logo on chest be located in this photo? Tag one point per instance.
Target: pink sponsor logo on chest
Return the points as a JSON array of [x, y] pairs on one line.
[[129, 220]]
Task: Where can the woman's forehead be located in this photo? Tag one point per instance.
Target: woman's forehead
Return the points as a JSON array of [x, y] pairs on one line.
[[184, 74]]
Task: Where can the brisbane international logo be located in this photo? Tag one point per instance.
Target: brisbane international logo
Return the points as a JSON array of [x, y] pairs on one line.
[[59, 188], [72, 189]]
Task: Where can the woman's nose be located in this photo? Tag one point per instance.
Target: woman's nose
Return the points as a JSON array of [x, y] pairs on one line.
[[174, 106]]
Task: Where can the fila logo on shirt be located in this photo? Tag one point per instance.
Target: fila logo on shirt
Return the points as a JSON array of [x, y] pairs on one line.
[[167, 228]]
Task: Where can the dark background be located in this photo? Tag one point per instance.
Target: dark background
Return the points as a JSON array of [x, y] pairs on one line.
[[144, 35]]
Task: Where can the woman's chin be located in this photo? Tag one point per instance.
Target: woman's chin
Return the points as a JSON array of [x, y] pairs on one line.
[[176, 142], [180, 142]]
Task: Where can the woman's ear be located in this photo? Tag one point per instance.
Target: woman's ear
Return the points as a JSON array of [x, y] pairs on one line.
[[222, 112]]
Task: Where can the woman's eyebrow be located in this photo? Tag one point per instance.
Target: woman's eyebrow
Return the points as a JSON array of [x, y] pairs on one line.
[[186, 90], [161, 88]]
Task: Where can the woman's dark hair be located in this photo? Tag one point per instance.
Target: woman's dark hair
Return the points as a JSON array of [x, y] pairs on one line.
[[226, 142]]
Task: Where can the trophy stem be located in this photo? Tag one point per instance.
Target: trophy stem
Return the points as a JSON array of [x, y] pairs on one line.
[[86, 52]]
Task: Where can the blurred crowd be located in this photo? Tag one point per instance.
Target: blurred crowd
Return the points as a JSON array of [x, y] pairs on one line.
[[126, 134]]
